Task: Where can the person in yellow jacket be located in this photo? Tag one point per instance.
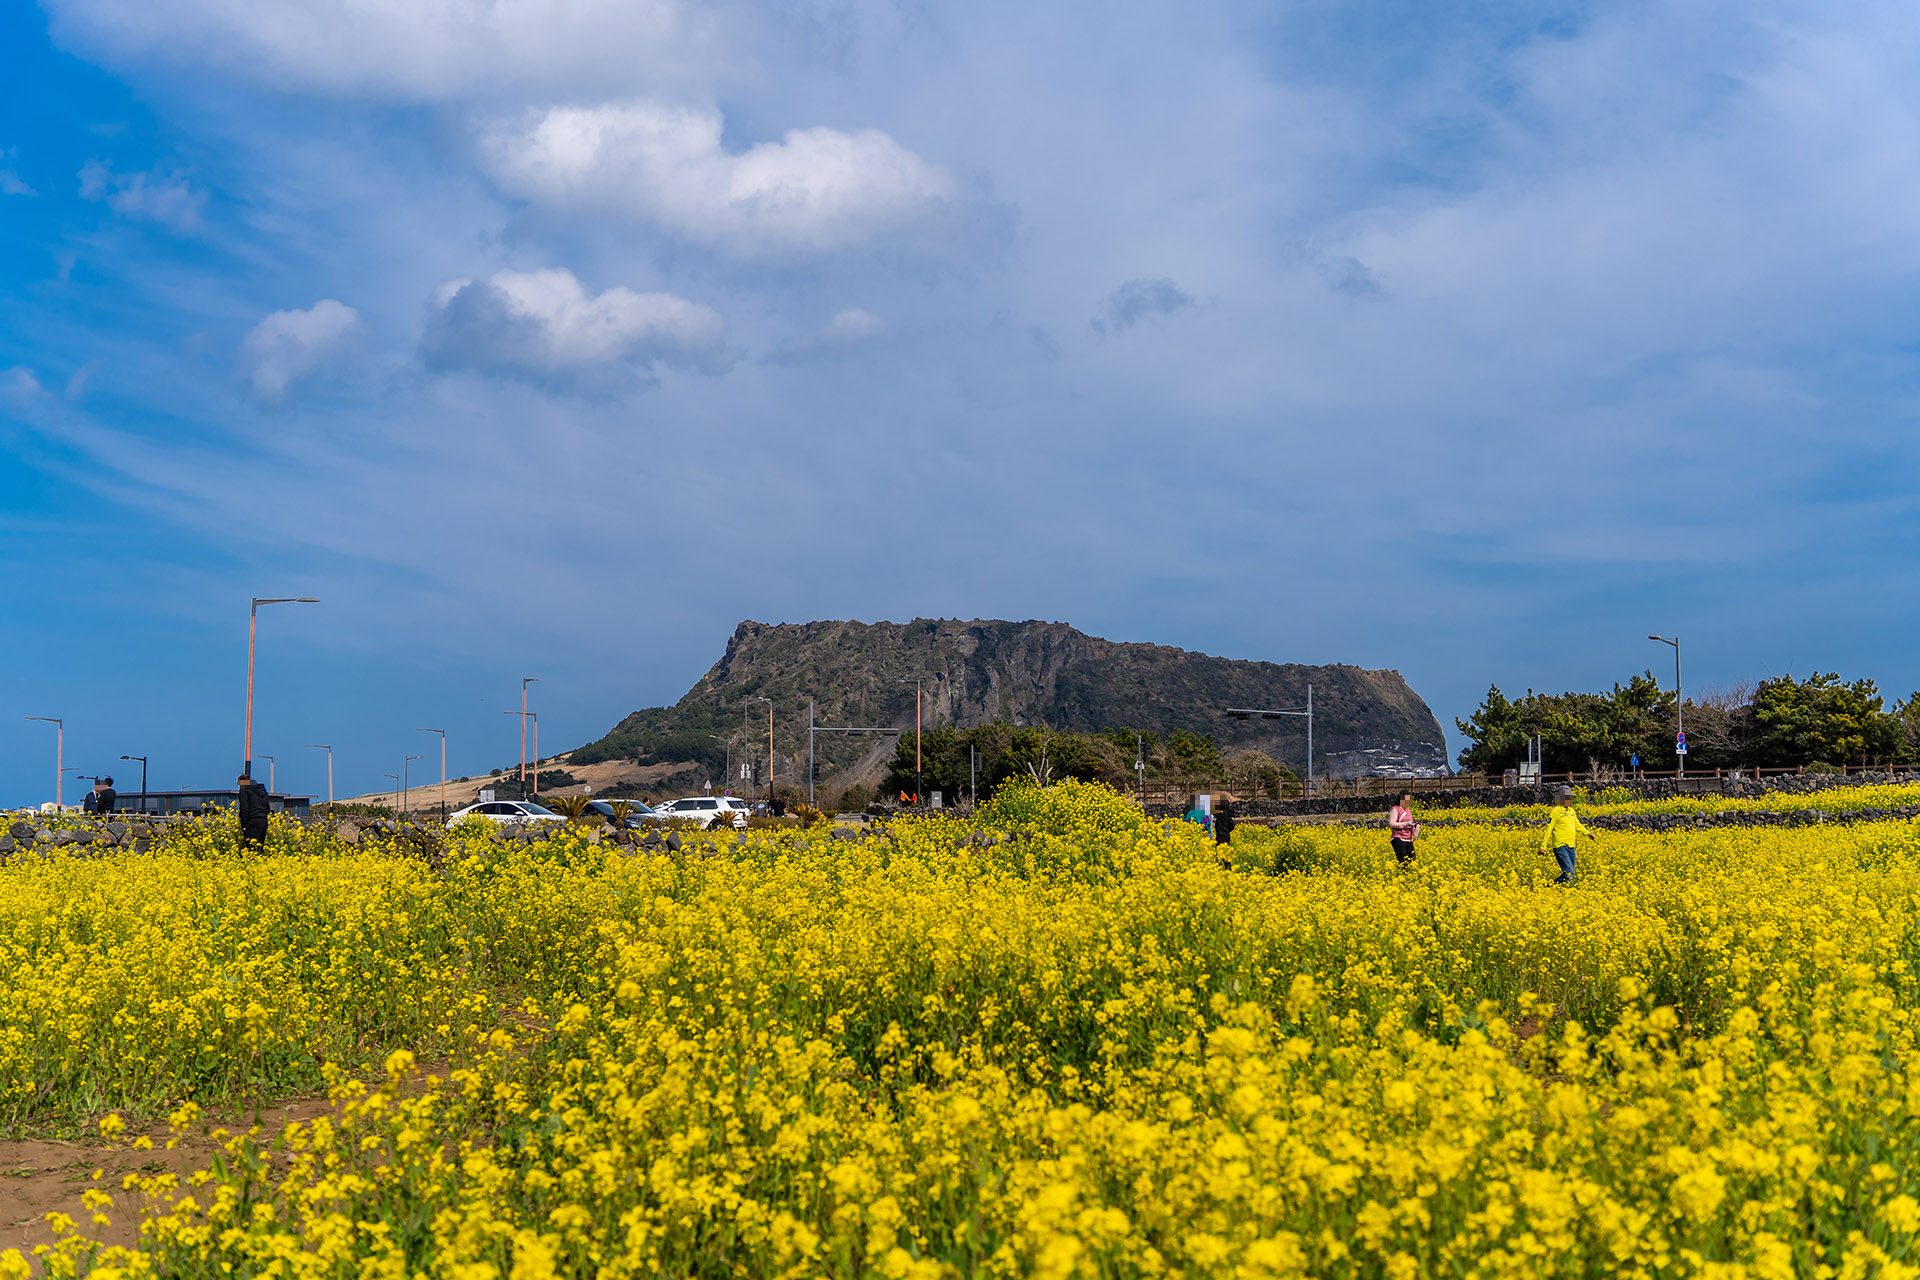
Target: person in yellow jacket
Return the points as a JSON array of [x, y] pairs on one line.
[[1563, 828]]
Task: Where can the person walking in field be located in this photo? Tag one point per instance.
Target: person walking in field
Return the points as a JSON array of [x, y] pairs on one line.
[[1402, 829], [1223, 823], [1563, 829], [255, 809]]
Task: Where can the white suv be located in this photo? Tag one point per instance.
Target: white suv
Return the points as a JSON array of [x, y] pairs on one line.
[[505, 811], [708, 811]]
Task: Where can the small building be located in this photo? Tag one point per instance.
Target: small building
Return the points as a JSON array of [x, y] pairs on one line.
[[198, 802]]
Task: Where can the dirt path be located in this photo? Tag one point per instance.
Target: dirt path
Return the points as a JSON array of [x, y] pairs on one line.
[[39, 1176]]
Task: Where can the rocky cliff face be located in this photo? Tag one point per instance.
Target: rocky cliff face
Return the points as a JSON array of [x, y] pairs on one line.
[[1019, 672]]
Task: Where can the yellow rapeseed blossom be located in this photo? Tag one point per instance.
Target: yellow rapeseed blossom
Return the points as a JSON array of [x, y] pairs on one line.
[[1063, 1040]]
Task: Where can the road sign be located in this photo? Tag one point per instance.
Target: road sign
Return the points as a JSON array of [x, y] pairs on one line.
[[1680, 744]]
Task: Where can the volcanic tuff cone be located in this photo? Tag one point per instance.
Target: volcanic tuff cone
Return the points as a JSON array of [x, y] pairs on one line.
[[1019, 672]]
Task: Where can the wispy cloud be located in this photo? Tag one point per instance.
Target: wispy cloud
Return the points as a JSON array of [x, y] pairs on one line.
[[11, 183], [169, 200], [849, 330], [20, 390], [419, 52]]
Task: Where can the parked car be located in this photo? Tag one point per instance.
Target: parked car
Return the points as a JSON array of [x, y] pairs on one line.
[[708, 811], [505, 811], [638, 814]]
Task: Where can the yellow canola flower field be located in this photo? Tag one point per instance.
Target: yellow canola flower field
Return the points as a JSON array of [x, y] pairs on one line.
[[1609, 801], [1062, 1041]]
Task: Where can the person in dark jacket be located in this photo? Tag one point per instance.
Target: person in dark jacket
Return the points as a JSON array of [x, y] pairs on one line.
[[104, 796], [1223, 823], [255, 808]]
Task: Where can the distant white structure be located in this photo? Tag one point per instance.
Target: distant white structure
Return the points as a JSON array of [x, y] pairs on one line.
[[1390, 760]]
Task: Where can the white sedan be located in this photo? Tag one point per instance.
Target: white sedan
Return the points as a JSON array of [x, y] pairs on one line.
[[505, 811], [708, 811]]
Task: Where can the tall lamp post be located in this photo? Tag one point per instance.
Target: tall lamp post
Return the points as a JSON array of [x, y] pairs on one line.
[[918, 797], [1679, 707], [59, 753], [143, 779], [329, 750], [443, 766], [769, 702], [396, 794], [523, 751], [253, 628], [524, 682], [406, 792], [270, 782]]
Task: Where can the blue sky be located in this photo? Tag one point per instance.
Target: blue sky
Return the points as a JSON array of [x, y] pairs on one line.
[[554, 337]]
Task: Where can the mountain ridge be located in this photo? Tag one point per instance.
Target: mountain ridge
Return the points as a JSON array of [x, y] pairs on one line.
[[977, 671]]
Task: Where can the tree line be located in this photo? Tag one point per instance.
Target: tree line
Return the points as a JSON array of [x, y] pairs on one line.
[[989, 755], [1819, 721]]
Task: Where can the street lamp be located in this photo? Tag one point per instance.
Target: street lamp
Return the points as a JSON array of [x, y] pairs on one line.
[[917, 789], [329, 750], [535, 717], [443, 766], [1679, 708], [270, 783], [59, 753], [524, 682], [406, 792], [253, 628], [396, 795], [143, 779]]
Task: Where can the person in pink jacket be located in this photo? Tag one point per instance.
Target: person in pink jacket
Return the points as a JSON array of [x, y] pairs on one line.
[[1402, 827]]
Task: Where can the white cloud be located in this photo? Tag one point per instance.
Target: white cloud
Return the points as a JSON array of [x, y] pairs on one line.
[[290, 344], [440, 50], [20, 390], [847, 330], [816, 189], [168, 201], [545, 327], [11, 183]]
